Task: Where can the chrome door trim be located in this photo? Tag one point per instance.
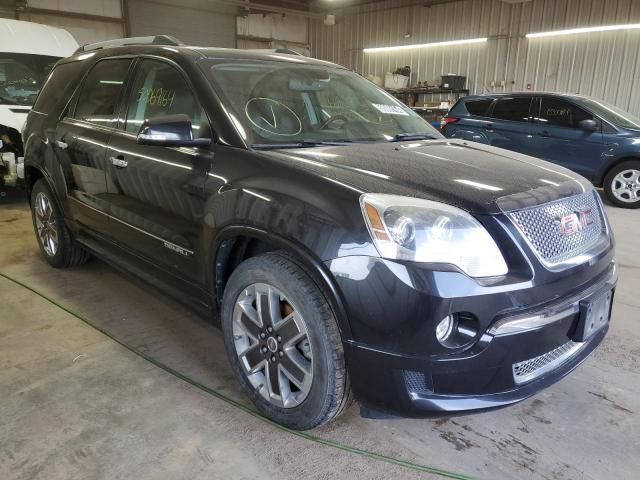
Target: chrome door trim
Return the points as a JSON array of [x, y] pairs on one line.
[[167, 244]]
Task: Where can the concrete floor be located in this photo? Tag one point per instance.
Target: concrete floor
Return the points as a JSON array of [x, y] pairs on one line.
[[74, 404]]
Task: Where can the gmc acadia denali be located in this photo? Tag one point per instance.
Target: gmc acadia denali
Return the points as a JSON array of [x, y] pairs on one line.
[[341, 243]]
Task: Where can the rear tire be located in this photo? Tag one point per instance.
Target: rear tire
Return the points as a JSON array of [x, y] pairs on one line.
[[283, 342], [622, 184], [54, 239]]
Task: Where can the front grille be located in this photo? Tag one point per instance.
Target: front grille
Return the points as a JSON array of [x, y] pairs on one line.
[[533, 368], [542, 227]]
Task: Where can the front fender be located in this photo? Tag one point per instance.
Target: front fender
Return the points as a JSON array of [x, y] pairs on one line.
[[312, 218], [314, 213]]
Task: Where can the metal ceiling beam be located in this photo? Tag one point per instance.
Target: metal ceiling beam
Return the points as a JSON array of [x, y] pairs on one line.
[[258, 7], [321, 7], [67, 14]]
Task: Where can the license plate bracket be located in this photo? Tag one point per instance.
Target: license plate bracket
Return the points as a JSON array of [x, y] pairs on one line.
[[595, 313]]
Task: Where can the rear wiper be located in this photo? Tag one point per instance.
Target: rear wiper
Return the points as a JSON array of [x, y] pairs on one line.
[[301, 144], [401, 137]]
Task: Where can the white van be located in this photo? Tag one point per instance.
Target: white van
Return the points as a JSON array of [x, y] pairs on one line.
[[28, 51]]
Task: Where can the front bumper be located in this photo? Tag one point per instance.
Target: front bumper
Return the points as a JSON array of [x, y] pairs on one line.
[[396, 365]]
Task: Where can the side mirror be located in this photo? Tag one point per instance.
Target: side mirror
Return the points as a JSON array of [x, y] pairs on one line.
[[170, 131], [589, 125]]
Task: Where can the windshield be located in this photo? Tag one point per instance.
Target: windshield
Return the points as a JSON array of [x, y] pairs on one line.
[[613, 114], [278, 104], [22, 76]]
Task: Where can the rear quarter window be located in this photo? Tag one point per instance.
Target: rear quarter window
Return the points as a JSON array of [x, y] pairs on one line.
[[478, 107], [58, 87], [512, 109]]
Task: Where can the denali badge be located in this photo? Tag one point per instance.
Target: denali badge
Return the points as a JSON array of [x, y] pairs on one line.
[[576, 221], [177, 249]]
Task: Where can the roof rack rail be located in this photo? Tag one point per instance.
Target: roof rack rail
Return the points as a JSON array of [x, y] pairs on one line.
[[288, 51], [121, 42]]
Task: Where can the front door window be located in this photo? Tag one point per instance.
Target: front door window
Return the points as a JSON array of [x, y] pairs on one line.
[[158, 90]]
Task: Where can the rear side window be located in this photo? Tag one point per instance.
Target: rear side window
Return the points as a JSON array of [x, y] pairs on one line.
[[479, 107], [559, 113], [100, 94], [513, 109], [58, 87]]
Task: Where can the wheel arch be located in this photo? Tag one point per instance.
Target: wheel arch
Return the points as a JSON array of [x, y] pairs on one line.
[[33, 173], [599, 181], [237, 243]]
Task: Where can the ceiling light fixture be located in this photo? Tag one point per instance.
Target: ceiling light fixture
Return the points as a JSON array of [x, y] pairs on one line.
[[573, 31], [424, 45]]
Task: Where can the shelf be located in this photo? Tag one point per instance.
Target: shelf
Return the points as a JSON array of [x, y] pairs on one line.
[[421, 91]]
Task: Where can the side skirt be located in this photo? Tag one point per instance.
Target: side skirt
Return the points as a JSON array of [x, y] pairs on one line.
[[192, 297]]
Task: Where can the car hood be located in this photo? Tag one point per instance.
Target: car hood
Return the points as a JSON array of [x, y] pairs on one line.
[[471, 176]]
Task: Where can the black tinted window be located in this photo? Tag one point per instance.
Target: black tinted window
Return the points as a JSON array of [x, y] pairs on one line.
[[22, 76], [101, 91], [58, 87], [561, 114], [159, 89], [514, 109], [478, 107]]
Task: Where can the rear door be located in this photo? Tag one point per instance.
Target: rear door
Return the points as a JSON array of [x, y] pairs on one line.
[[561, 140], [81, 138], [510, 125], [156, 193]]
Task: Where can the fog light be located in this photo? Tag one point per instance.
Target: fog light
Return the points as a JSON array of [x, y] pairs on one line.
[[458, 330], [444, 329]]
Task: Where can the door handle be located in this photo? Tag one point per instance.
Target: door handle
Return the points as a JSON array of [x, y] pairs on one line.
[[544, 134], [61, 144], [119, 162], [489, 127]]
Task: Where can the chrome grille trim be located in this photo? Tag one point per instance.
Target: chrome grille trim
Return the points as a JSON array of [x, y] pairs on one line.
[[533, 368], [540, 227]]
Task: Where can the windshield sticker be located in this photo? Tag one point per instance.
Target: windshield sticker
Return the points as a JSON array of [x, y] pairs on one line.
[[273, 117], [390, 109]]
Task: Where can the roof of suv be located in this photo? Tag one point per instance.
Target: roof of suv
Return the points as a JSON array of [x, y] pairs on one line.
[[196, 52], [525, 94]]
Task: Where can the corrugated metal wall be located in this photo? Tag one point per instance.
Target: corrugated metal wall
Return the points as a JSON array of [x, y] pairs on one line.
[[195, 22], [84, 30], [604, 65]]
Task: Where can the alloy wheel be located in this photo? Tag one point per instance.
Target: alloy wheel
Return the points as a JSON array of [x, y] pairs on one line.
[[46, 226], [625, 186], [273, 345]]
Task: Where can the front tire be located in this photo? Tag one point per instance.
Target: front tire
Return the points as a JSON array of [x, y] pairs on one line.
[[54, 239], [283, 342], [622, 184]]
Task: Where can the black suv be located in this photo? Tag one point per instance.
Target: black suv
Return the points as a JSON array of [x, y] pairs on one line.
[[342, 244]]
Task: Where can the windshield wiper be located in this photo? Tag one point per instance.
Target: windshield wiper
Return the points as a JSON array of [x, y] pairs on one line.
[[301, 144], [401, 137]]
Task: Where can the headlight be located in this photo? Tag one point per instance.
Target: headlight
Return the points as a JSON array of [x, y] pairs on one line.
[[405, 228]]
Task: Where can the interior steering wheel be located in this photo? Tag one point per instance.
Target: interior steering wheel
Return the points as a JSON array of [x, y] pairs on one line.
[[330, 120]]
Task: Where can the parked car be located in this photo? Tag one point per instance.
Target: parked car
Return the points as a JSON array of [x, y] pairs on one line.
[[597, 140], [341, 243], [27, 54]]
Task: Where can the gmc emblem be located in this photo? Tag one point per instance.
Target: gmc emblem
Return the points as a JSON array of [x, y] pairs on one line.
[[576, 221]]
